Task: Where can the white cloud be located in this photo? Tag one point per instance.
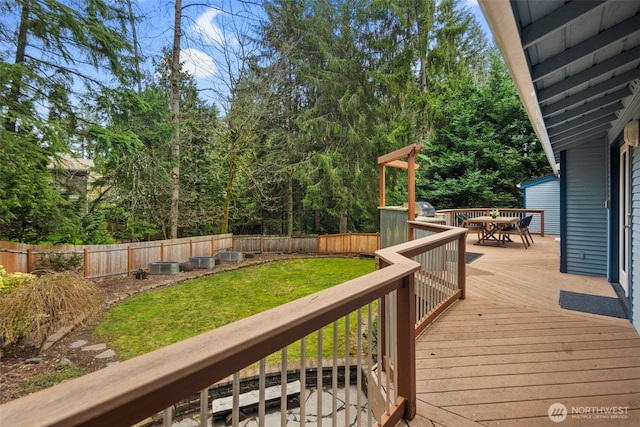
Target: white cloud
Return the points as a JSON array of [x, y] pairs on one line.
[[472, 3], [197, 63], [205, 27]]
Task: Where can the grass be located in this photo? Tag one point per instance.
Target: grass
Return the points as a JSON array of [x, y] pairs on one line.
[[157, 319], [62, 373]]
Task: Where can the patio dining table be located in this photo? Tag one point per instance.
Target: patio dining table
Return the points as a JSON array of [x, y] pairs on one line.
[[492, 226]]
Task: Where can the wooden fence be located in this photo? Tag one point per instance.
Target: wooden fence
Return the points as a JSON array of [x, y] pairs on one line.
[[329, 244], [113, 260], [122, 259]]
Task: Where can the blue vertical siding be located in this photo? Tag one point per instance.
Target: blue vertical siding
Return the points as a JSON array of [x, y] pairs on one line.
[[586, 215], [545, 196]]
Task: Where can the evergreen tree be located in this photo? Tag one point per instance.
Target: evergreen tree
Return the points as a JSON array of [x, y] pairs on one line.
[[483, 149], [55, 52]]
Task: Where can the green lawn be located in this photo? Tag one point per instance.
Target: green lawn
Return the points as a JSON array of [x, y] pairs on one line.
[[163, 317]]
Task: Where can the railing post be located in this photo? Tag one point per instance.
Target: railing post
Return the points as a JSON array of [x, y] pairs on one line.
[[462, 265], [406, 363], [541, 223]]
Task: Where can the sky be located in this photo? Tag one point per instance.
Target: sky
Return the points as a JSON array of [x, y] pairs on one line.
[[206, 30]]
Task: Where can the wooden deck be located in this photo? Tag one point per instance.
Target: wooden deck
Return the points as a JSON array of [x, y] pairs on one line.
[[508, 352]]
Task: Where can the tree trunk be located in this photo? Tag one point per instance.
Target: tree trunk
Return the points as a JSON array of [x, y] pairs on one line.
[[21, 47], [317, 221], [175, 120], [134, 36], [289, 204], [343, 221], [227, 198]]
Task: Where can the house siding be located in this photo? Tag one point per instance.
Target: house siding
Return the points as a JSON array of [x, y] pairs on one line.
[[586, 214], [545, 196]]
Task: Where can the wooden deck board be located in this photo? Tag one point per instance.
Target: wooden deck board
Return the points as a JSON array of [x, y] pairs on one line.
[[508, 352]]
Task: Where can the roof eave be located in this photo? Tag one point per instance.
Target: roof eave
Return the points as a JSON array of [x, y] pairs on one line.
[[500, 19]]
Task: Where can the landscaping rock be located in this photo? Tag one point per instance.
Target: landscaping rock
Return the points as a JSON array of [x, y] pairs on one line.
[[78, 344], [106, 354], [95, 347]]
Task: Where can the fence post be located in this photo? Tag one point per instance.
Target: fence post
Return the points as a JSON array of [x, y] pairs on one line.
[[28, 261], [161, 251], [129, 267], [86, 262], [190, 247]]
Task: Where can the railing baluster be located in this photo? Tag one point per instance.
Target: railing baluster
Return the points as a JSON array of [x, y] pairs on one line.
[[394, 344], [283, 388], [347, 370], [168, 417], [261, 393], [319, 390], [204, 407], [303, 381], [370, 355], [359, 369], [387, 353], [334, 376], [235, 412]]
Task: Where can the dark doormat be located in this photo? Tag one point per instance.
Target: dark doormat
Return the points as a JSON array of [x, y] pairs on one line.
[[472, 256], [593, 304]]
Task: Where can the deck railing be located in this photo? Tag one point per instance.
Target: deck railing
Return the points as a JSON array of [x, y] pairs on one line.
[[377, 313], [537, 223]]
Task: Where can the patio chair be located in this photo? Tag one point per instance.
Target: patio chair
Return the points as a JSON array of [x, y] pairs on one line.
[[524, 232], [461, 221]]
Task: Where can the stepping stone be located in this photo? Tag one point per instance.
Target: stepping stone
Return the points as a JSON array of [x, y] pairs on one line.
[[106, 354], [117, 362], [95, 347], [78, 344]]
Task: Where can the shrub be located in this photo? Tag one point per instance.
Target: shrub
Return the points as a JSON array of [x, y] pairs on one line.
[[9, 282], [46, 303], [58, 261]]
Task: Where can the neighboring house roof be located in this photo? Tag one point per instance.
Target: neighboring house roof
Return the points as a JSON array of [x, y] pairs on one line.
[[67, 162], [576, 66]]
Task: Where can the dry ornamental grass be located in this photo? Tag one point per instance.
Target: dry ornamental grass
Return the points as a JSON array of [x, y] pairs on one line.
[[47, 303]]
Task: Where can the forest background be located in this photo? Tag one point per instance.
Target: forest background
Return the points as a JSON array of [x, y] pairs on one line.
[[308, 94]]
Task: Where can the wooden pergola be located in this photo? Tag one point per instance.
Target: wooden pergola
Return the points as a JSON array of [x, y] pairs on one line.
[[394, 159]]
